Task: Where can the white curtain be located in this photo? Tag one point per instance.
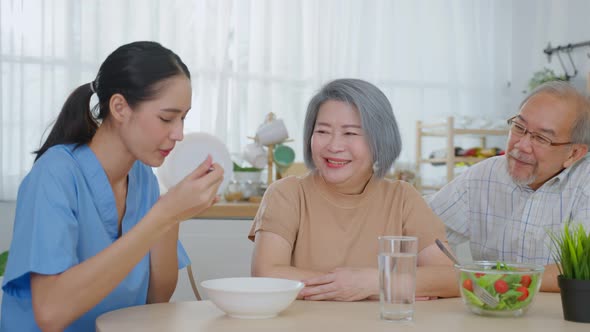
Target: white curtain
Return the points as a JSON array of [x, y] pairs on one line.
[[432, 58]]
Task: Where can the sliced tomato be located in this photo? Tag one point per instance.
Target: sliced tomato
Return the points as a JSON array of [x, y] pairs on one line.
[[479, 274], [525, 280], [524, 291], [501, 286], [468, 285]]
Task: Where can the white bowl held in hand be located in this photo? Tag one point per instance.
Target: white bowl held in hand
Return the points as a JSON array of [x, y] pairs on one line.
[[252, 297], [189, 153]]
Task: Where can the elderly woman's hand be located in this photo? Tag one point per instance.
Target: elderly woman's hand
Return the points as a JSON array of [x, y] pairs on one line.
[[342, 284]]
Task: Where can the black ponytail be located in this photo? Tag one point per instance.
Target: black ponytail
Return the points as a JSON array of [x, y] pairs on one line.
[[74, 123], [132, 70]]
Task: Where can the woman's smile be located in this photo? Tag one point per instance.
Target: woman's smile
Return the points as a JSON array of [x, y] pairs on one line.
[[336, 162]]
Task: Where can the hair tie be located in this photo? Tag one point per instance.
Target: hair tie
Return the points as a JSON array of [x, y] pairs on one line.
[[92, 87]]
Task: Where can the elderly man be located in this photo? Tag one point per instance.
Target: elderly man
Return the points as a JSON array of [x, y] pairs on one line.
[[504, 206]]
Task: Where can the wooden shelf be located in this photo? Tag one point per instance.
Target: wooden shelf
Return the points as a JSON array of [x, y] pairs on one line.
[[466, 132], [448, 131], [456, 159], [226, 210], [481, 132]]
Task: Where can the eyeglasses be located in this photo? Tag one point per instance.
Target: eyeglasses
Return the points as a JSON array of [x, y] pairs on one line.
[[520, 130]]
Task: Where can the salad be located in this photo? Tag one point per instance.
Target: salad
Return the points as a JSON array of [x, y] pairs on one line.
[[513, 290]]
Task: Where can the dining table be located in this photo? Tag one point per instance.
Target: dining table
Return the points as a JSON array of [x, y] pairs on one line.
[[545, 314]]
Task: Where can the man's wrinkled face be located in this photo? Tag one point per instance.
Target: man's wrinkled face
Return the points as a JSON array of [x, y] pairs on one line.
[[529, 161]]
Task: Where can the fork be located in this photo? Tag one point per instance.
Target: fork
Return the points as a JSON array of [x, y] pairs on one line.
[[479, 291], [482, 293]]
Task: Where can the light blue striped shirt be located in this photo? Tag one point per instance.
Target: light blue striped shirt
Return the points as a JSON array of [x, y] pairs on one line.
[[507, 222]]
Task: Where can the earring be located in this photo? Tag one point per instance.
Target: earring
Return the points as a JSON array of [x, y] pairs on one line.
[[375, 167]]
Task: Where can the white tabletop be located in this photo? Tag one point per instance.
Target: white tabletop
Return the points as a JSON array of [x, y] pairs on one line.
[[308, 316]]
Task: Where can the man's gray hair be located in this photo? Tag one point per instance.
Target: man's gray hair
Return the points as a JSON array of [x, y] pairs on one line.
[[377, 119], [580, 132]]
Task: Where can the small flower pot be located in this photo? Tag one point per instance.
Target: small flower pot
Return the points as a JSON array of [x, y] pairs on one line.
[[575, 299]]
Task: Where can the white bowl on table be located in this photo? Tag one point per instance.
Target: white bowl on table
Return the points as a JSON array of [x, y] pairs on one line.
[[252, 298]]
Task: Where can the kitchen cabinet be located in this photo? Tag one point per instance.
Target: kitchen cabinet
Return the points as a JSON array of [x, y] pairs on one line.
[[449, 132], [217, 243], [218, 248]]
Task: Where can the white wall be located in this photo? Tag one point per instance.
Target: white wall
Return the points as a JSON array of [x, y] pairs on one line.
[[539, 22], [6, 220]]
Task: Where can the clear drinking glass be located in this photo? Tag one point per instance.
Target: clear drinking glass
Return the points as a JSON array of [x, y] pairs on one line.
[[397, 277]]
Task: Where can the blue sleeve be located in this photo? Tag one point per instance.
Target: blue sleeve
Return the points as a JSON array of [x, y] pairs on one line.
[[183, 259], [46, 228]]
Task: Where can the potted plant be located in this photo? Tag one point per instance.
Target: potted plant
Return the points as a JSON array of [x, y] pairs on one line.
[[545, 75], [246, 173], [3, 259], [571, 251]]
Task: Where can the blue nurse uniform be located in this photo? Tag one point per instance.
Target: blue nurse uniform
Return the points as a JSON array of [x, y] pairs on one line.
[[65, 214]]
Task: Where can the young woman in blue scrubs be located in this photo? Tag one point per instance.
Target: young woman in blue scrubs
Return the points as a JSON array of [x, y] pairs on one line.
[[91, 232]]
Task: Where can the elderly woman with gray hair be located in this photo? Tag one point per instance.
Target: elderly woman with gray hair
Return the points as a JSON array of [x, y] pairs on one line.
[[322, 228]]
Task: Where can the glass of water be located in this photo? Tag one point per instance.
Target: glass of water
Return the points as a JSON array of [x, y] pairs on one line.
[[397, 277]]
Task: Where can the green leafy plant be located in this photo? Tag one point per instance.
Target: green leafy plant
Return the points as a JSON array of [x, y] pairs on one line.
[[571, 251], [3, 259], [238, 168], [545, 75]]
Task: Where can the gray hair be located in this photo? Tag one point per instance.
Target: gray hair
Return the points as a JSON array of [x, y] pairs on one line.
[[377, 120], [580, 132]]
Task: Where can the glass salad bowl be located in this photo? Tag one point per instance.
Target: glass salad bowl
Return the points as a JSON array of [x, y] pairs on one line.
[[513, 285]]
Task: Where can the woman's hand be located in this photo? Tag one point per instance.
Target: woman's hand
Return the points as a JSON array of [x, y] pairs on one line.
[[342, 284], [194, 194]]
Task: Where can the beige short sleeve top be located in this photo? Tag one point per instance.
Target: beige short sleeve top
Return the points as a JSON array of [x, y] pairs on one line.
[[327, 229]]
